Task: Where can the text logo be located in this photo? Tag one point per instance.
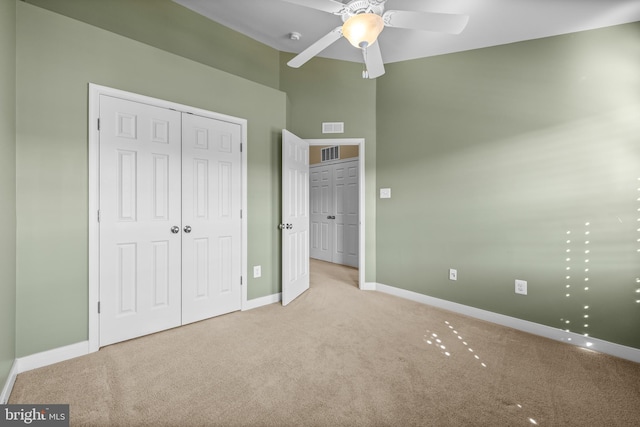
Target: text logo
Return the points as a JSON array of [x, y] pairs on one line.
[[34, 415]]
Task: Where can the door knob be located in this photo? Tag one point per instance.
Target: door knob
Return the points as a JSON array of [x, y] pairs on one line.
[[175, 229], [187, 229]]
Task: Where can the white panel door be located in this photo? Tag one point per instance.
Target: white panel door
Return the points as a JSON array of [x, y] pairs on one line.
[[295, 216], [321, 228], [345, 201], [139, 205], [211, 221]]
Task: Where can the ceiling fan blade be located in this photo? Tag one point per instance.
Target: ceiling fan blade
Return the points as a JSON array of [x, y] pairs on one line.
[[316, 48], [330, 6], [373, 60], [426, 21]]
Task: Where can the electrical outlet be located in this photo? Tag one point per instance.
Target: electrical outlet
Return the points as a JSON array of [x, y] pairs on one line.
[[257, 271], [385, 193], [521, 287], [453, 274]]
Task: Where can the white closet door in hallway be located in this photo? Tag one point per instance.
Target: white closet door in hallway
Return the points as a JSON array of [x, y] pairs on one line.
[[321, 212], [334, 212], [169, 212]]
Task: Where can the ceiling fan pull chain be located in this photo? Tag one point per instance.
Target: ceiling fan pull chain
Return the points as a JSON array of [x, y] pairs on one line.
[[365, 72]]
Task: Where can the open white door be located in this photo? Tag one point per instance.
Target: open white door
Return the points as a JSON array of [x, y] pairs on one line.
[[295, 216]]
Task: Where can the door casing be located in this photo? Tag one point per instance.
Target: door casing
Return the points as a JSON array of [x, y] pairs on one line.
[[94, 185]]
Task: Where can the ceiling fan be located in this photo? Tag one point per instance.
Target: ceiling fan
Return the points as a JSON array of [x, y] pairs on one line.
[[364, 20]]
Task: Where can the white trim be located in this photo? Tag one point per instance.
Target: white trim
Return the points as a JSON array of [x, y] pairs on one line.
[[94, 226], [94, 184], [361, 202], [245, 213], [8, 385], [572, 338], [333, 162], [369, 286], [50, 357], [262, 301]]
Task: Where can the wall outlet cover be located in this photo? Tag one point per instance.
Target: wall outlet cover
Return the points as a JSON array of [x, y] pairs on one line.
[[385, 193], [453, 274], [521, 287], [257, 271]]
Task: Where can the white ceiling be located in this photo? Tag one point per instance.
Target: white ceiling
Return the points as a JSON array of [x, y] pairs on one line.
[[491, 23]]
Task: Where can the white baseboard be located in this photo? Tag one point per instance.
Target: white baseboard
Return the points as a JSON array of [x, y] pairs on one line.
[[8, 385], [50, 357], [369, 286], [259, 302], [589, 343]]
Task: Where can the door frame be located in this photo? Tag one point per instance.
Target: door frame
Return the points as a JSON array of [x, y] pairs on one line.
[[95, 91], [360, 142]]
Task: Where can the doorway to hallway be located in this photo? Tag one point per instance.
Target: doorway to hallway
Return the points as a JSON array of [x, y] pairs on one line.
[[296, 207], [334, 208], [347, 156]]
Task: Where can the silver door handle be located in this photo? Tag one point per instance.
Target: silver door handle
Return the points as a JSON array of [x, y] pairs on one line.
[[187, 229], [285, 226], [175, 229], [331, 217]]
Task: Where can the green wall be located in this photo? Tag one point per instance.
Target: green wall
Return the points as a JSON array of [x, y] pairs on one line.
[[504, 162], [326, 90], [492, 155], [7, 187], [176, 29], [56, 59]]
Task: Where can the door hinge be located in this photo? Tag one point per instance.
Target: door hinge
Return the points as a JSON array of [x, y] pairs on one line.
[[98, 215], [241, 148], [240, 213], [241, 280], [98, 123], [98, 307]]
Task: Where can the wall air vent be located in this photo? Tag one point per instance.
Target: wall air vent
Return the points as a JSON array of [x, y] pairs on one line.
[[330, 153], [333, 127]]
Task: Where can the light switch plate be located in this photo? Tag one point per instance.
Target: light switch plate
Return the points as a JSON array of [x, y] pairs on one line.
[[385, 193], [257, 271]]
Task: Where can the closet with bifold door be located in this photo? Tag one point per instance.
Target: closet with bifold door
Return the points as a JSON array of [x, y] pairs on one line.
[[334, 213], [170, 227]]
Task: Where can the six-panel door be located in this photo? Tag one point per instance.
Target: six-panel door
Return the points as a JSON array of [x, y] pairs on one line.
[[335, 212], [211, 190], [139, 204], [295, 216], [170, 224], [321, 212]]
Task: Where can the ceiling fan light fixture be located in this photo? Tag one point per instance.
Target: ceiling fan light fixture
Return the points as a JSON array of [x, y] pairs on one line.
[[363, 29]]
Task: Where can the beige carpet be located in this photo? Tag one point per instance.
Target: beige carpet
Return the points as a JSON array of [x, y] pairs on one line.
[[338, 356]]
